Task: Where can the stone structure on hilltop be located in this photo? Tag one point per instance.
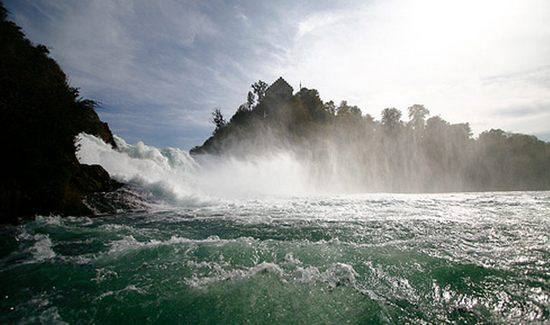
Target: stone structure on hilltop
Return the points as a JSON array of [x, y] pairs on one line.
[[280, 89]]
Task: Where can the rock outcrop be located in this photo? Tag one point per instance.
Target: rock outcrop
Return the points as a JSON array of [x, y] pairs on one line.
[[40, 115]]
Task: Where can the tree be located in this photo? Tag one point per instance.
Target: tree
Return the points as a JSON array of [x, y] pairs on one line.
[[313, 104], [417, 116], [369, 119], [87, 103], [391, 118], [218, 120], [345, 110], [462, 130], [3, 13], [242, 108], [330, 107], [355, 111], [250, 100], [436, 126], [259, 89], [422, 154]]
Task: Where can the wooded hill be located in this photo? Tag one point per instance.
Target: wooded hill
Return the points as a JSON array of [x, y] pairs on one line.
[[340, 145]]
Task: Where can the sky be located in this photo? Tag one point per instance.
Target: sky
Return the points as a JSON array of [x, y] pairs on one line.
[[159, 68]]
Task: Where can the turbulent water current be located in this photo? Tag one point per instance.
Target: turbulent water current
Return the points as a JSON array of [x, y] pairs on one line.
[[277, 257]]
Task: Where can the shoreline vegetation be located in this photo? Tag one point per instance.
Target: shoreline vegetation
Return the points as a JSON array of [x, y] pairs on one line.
[[40, 115], [340, 145]]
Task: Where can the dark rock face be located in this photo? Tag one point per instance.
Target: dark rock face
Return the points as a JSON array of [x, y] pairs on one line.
[[125, 198], [93, 178], [40, 115]]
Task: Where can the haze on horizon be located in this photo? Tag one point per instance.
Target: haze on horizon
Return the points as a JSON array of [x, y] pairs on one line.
[[160, 68]]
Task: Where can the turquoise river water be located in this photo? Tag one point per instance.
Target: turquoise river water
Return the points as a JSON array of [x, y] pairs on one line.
[[373, 258]]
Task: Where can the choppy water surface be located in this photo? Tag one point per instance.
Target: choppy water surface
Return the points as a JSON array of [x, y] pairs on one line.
[[358, 258]]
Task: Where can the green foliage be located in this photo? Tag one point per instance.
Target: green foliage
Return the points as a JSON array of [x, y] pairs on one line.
[[417, 116], [250, 100], [424, 154], [346, 111], [311, 101], [330, 107], [218, 120], [391, 118], [259, 89]]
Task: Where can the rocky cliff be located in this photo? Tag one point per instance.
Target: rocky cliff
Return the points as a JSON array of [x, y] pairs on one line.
[[40, 115]]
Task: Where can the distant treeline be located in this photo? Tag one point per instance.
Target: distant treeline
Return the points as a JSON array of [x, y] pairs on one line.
[[345, 149]]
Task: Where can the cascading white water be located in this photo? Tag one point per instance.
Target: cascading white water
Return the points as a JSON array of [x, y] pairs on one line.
[[175, 177]]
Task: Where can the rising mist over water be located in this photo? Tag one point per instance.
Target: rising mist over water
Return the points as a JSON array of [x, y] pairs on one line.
[[173, 175], [291, 144], [342, 149]]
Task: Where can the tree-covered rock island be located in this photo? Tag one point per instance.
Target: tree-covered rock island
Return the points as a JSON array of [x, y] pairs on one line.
[[40, 115], [345, 149]]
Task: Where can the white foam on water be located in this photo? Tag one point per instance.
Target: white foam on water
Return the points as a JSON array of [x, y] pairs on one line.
[[375, 245], [128, 289], [235, 274], [42, 248], [336, 275], [173, 176], [128, 243]]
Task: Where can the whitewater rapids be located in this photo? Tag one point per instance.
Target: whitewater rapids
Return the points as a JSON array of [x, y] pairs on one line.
[[174, 177], [252, 242]]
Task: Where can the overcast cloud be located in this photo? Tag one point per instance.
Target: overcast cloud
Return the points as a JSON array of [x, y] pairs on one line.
[[160, 67]]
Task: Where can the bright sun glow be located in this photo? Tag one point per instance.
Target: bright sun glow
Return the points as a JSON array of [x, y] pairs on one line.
[[453, 56]]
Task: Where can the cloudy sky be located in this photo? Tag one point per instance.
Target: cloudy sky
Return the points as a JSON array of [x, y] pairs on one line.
[[160, 67]]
